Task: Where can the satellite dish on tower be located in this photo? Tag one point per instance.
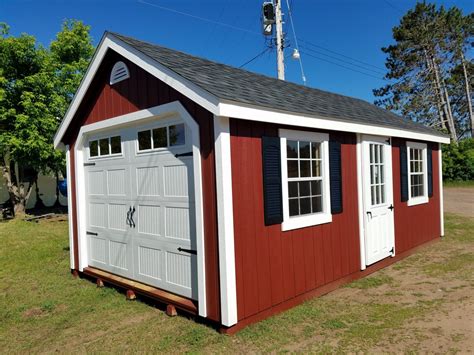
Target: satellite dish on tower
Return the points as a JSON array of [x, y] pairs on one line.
[[296, 54]]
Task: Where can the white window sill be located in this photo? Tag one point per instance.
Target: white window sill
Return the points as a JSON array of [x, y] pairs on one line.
[[417, 201], [306, 221]]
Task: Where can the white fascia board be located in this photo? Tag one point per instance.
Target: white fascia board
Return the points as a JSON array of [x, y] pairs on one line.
[[254, 113], [441, 197], [177, 82]]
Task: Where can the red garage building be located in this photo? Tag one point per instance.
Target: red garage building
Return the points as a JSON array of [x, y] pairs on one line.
[[232, 195]]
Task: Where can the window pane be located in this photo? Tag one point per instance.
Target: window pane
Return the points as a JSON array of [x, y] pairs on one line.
[[382, 187], [316, 166], [159, 138], [305, 168], [411, 154], [292, 149], [93, 148], [316, 187], [292, 168], [304, 150], [104, 146], [372, 195], [304, 188], [305, 205], [293, 189], [316, 150], [116, 145], [317, 204], [144, 140], [177, 134], [294, 208]]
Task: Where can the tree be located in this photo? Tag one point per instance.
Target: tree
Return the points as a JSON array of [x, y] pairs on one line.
[[36, 86], [420, 65]]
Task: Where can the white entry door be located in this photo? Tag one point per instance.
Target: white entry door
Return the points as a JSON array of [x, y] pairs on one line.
[[141, 208], [378, 198]]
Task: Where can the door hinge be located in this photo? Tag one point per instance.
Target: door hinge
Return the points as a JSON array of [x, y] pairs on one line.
[[388, 141], [392, 251], [190, 251], [89, 164], [391, 207], [91, 233], [188, 154]]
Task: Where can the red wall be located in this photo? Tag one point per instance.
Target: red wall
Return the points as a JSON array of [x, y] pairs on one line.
[[141, 91], [415, 225], [274, 266]]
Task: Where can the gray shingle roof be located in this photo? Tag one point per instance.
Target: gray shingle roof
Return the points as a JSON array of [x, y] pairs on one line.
[[242, 86]]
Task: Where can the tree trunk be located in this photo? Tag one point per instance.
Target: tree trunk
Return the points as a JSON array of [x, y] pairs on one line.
[[437, 93], [444, 101], [468, 92], [18, 194]]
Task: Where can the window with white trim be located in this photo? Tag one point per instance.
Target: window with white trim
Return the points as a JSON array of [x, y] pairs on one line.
[[105, 147], [305, 175], [417, 173], [162, 137]]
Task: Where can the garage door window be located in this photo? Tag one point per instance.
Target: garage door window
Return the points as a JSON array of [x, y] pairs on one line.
[[104, 147], [162, 137]]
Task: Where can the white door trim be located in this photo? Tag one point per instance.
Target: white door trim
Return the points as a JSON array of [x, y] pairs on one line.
[[360, 202], [69, 209], [225, 219], [170, 109], [362, 192]]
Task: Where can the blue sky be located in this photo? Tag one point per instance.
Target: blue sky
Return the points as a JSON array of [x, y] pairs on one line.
[[343, 33]]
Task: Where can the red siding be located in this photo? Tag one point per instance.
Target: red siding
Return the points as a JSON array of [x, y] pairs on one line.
[[415, 225], [139, 92], [274, 266]]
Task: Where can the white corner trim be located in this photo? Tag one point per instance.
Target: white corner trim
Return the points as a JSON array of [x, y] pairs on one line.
[[360, 203], [290, 223], [255, 113], [157, 112], [225, 221], [441, 196], [69, 207], [413, 201]]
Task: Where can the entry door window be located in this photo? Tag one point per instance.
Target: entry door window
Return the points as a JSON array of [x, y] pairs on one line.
[[377, 174]]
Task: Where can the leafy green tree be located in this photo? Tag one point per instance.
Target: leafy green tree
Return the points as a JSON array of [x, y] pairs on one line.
[[420, 64], [36, 86]]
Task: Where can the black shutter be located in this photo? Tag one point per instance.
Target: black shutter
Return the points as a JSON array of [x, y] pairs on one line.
[[430, 171], [403, 173], [335, 175], [271, 158]]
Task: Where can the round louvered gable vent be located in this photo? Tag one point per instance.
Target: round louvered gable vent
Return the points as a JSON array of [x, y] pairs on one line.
[[119, 73]]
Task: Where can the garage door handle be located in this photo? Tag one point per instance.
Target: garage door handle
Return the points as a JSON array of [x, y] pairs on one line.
[[190, 251], [128, 217], [132, 222], [91, 233]]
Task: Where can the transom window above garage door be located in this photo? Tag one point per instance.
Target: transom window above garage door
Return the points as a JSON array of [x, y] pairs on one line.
[[162, 137], [107, 146]]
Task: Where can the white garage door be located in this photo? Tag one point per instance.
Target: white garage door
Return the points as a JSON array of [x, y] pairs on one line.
[[140, 205]]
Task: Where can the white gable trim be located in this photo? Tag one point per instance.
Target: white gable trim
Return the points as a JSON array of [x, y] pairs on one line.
[[218, 107]]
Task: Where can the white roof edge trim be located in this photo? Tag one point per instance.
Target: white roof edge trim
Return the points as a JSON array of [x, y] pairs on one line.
[[256, 113], [177, 82], [221, 107]]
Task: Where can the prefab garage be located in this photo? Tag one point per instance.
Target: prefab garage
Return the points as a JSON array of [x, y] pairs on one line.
[[232, 195]]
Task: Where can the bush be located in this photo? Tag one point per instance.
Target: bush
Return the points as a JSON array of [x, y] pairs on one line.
[[458, 161]]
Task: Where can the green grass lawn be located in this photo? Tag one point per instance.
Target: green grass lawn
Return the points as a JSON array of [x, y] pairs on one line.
[[468, 183], [44, 309]]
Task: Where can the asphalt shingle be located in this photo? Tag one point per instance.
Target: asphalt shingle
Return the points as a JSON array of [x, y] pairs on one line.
[[242, 86]]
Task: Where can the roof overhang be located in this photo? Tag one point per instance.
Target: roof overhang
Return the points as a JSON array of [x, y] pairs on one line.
[[221, 107]]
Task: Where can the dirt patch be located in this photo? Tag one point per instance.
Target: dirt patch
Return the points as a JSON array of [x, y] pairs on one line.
[[459, 200], [33, 312]]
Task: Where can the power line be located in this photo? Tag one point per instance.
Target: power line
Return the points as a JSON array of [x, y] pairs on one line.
[[393, 6], [296, 42], [257, 56], [345, 61], [340, 54], [198, 17], [342, 66]]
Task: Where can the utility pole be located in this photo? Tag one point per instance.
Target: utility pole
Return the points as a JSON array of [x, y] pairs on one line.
[[279, 40]]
